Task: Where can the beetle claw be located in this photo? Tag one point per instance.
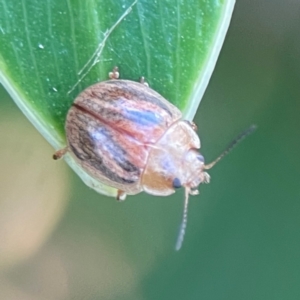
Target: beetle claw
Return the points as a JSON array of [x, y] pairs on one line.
[[114, 74], [205, 177], [193, 192], [142, 81], [121, 195], [60, 153]]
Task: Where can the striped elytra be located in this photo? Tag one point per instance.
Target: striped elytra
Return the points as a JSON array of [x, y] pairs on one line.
[[129, 137]]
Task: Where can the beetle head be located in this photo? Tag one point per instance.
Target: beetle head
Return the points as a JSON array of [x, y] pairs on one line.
[[192, 172]]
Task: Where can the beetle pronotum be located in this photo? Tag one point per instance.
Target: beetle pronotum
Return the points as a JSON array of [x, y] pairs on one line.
[[128, 136]]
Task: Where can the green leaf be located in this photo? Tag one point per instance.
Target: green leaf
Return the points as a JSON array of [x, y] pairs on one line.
[[52, 50]]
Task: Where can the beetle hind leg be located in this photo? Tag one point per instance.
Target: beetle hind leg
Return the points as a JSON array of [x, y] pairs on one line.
[[60, 153], [121, 195]]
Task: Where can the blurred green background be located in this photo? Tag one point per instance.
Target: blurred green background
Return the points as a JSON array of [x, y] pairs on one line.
[[243, 238]]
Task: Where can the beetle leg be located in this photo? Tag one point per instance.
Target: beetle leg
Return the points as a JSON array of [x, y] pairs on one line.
[[192, 124], [121, 195], [193, 192], [60, 153], [205, 178], [114, 74], [142, 81]]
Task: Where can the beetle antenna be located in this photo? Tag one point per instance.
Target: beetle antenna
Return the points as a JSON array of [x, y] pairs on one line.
[[238, 139], [184, 221]]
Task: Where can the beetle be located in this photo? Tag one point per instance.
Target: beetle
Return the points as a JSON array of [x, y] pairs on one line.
[[126, 135]]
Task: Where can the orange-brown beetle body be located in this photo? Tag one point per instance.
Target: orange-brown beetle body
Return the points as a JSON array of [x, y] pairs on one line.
[[129, 137]]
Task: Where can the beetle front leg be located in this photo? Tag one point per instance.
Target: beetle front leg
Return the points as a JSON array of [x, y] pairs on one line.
[[60, 153], [121, 195], [205, 178]]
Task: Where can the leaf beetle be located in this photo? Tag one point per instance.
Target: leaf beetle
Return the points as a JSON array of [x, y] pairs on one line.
[[126, 135]]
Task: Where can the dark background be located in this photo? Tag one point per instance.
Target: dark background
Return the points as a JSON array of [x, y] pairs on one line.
[[243, 235]]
